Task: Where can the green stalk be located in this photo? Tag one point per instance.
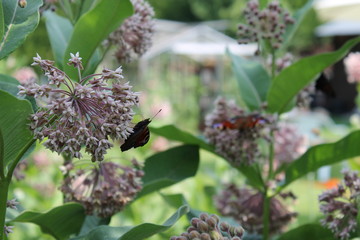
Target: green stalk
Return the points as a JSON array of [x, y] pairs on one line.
[[4, 188], [2, 160], [266, 216]]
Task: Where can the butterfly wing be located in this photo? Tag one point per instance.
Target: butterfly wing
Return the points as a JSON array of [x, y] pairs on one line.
[[139, 137]]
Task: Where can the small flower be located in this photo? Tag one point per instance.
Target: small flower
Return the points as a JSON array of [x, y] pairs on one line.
[[210, 227], [86, 114], [246, 206], [12, 203], [8, 230], [75, 60], [267, 24], [134, 36], [352, 67], [106, 189], [339, 205], [238, 146]]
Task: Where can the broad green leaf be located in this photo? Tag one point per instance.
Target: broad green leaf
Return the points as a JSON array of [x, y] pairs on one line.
[[171, 132], [19, 23], [298, 17], [324, 154], [93, 27], [59, 30], [177, 164], [13, 124], [142, 231], [294, 78], [59, 222], [253, 81], [308, 231]]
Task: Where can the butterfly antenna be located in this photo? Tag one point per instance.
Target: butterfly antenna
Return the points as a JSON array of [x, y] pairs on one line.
[[156, 114]]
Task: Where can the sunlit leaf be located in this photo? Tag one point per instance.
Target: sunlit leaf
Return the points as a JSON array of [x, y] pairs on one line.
[[322, 155], [294, 78], [18, 24], [142, 231], [59, 222], [253, 81], [170, 167], [93, 27]]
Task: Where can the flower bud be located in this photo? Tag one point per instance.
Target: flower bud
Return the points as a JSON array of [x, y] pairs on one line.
[[202, 226], [22, 3], [205, 236], [215, 235], [204, 216]]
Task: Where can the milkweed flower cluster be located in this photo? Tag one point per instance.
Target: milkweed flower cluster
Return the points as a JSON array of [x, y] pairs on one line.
[[134, 36], [289, 144], [267, 24], [85, 113], [238, 146], [340, 205], [352, 67], [209, 227], [104, 190], [246, 206]]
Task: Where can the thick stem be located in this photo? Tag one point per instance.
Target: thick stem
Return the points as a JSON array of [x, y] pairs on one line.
[[266, 216], [4, 187]]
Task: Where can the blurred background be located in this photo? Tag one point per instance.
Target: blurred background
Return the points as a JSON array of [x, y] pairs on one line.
[[184, 71]]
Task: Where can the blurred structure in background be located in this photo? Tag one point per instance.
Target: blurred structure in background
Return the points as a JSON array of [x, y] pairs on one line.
[[342, 22], [188, 66]]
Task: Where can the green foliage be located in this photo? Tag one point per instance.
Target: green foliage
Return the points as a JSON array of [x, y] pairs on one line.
[[59, 31], [253, 81], [308, 231], [92, 28], [18, 24], [294, 78], [323, 154], [13, 125], [141, 231], [60, 222], [176, 164]]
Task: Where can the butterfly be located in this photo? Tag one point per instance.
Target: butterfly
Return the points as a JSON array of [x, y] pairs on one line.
[[322, 84], [241, 122], [140, 135]]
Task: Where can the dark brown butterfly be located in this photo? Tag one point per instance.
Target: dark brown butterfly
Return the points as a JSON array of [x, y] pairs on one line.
[[323, 84], [140, 135], [241, 123]]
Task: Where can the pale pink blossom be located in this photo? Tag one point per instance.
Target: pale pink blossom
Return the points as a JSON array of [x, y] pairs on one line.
[[352, 67]]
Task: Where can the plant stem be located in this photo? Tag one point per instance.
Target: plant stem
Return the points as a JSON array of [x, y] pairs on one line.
[[266, 216], [4, 187]]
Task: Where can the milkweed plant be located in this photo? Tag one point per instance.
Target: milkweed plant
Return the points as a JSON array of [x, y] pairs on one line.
[[80, 108]]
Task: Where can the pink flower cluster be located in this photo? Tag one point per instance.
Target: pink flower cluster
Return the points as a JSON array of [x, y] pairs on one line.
[[352, 67]]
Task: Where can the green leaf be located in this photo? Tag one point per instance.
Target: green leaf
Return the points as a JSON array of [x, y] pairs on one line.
[[173, 133], [308, 231], [59, 30], [13, 124], [2, 27], [139, 232], [294, 78], [298, 17], [19, 23], [177, 164], [59, 222], [322, 155], [253, 80], [93, 27], [91, 222]]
